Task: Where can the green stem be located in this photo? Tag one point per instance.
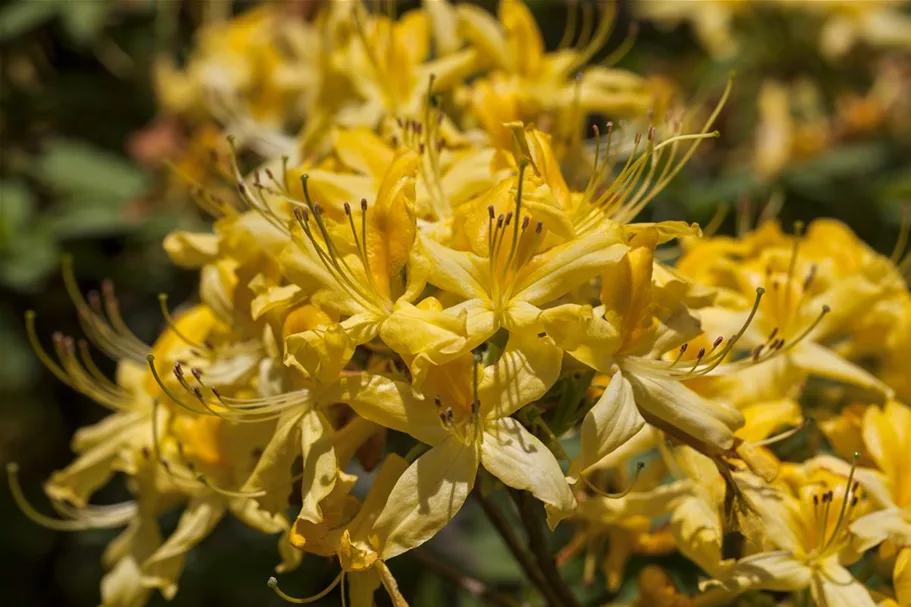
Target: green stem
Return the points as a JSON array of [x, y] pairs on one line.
[[469, 584]]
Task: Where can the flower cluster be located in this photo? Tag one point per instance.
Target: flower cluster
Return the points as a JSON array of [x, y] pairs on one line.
[[439, 254]]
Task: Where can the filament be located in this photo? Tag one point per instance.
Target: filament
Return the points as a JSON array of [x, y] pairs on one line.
[[75, 524], [273, 584], [629, 488]]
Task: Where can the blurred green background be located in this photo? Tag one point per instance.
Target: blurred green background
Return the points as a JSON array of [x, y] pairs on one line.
[[77, 175]]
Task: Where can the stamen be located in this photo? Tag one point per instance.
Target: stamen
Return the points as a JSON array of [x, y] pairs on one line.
[[124, 512], [151, 359], [783, 435], [849, 489], [163, 304], [273, 584], [639, 467]]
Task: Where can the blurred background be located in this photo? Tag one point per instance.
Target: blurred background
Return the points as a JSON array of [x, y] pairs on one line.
[[819, 122]]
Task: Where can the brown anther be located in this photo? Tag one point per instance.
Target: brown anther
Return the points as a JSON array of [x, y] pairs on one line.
[[717, 342], [525, 222], [421, 148], [317, 209], [197, 392], [500, 220], [539, 227], [269, 174], [196, 373], [241, 188], [508, 218], [651, 133], [637, 138], [490, 211], [347, 208], [683, 348], [773, 334], [757, 352], [145, 452], [701, 353], [216, 393], [363, 204]]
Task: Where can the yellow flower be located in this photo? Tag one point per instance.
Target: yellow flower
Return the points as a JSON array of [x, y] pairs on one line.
[[807, 529], [356, 539], [504, 283], [527, 82], [469, 426], [808, 302], [627, 336], [357, 271], [887, 437]]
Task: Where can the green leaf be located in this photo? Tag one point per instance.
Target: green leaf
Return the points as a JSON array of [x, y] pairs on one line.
[[16, 209], [84, 20], [20, 17], [19, 368], [77, 170], [33, 255], [87, 220]]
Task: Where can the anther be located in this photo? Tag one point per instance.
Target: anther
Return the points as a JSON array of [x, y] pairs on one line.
[[363, 204], [539, 227], [490, 211], [347, 208]]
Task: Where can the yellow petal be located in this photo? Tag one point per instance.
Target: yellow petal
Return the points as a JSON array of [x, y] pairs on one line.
[[273, 470], [612, 421], [520, 460], [564, 267], [483, 33], [387, 476], [191, 250], [763, 418], [164, 567], [391, 220], [527, 369], [582, 334], [834, 586], [426, 497], [393, 405], [428, 337], [365, 152], [777, 571], [823, 362], [457, 272], [677, 407], [320, 465], [901, 577], [320, 354], [881, 438], [697, 529], [523, 37]]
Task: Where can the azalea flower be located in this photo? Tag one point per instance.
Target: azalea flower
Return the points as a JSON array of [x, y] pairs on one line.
[[470, 426], [808, 531]]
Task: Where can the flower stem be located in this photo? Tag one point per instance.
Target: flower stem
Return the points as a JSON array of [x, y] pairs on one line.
[[508, 534], [469, 584], [537, 542]]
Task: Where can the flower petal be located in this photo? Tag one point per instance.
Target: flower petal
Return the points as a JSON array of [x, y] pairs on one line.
[[527, 369], [520, 460], [164, 567], [393, 405], [426, 497], [821, 361], [676, 407], [564, 267], [836, 587], [611, 422]]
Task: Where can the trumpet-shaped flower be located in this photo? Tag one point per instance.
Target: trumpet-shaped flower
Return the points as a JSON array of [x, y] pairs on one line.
[[470, 426]]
